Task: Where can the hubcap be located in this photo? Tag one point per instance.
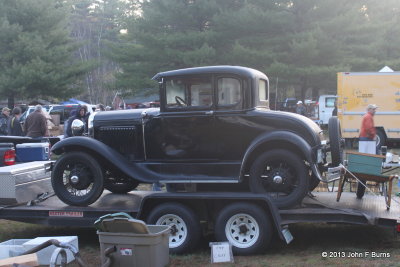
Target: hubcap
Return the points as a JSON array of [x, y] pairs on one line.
[[178, 226], [242, 230], [77, 179], [278, 179], [74, 179]]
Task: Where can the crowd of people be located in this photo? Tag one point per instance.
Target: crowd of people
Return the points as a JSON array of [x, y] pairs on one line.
[[36, 123]]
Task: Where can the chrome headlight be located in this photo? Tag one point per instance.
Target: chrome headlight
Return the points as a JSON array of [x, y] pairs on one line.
[[78, 127]]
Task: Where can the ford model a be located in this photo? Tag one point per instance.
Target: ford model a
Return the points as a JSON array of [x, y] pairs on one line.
[[213, 126]]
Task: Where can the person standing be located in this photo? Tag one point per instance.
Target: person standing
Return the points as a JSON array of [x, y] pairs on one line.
[[5, 113], [14, 125], [80, 115], [300, 109], [367, 143], [334, 111], [36, 123]]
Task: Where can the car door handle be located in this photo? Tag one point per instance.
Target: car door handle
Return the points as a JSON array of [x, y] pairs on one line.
[[209, 112]]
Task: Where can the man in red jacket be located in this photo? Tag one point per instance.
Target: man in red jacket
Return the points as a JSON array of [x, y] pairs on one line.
[[368, 131]]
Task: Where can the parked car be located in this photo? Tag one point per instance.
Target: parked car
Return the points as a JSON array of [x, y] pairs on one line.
[[326, 105], [63, 111], [213, 126], [31, 109], [290, 104]]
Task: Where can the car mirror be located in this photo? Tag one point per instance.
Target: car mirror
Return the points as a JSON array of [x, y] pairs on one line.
[[77, 127]]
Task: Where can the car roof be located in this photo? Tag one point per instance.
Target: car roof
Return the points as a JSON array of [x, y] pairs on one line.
[[238, 70]]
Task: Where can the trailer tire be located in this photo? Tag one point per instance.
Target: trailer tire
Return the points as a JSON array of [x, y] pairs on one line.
[[335, 140], [185, 226], [75, 172], [282, 175], [246, 226]]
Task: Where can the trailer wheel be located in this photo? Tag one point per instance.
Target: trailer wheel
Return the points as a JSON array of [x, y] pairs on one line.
[[185, 226], [77, 179], [335, 140], [282, 175], [245, 226]]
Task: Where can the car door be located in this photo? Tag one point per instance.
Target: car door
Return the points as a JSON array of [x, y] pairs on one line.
[[231, 119], [185, 126]]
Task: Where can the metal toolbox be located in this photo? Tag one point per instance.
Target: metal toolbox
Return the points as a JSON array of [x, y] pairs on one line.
[[24, 182]]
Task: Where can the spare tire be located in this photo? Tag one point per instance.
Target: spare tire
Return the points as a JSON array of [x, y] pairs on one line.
[[335, 140]]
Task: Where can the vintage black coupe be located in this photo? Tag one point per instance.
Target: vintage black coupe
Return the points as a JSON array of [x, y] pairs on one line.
[[213, 126]]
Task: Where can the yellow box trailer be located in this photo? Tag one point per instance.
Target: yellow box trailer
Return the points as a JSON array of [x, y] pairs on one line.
[[358, 89]]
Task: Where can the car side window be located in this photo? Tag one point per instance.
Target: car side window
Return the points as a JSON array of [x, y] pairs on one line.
[[229, 92], [188, 93]]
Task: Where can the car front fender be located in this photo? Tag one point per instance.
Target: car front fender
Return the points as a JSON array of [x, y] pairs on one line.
[[107, 154]]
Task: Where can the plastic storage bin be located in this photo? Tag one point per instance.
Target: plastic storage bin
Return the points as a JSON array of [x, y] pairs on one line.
[[32, 152], [141, 250], [12, 248]]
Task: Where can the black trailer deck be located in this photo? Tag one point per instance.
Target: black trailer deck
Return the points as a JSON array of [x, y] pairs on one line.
[[322, 208]]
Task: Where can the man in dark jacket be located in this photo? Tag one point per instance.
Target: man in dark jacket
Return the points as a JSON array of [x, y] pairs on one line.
[[5, 113], [36, 123], [14, 125]]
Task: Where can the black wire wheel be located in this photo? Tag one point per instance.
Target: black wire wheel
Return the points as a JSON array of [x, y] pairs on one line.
[[77, 179], [119, 183], [282, 175], [336, 142]]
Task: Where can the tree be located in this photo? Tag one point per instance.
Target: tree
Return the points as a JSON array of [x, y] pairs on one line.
[[303, 42], [35, 51], [94, 23]]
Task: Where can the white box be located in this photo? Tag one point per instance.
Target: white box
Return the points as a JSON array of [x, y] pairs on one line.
[[12, 248], [44, 255]]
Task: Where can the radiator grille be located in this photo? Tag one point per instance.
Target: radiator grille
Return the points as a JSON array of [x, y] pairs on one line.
[[120, 138]]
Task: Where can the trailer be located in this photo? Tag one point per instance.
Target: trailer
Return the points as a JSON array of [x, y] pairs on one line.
[[246, 220]]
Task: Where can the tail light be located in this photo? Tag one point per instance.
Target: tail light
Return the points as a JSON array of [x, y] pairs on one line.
[[9, 157]]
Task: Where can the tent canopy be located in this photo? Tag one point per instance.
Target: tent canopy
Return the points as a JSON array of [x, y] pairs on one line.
[[73, 101]]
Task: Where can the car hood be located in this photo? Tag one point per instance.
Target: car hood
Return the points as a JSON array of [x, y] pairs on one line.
[[122, 117]]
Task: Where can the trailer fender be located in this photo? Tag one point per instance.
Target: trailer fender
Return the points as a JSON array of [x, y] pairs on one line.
[[107, 154]]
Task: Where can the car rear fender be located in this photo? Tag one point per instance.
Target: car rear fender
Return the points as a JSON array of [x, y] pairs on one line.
[[276, 140], [101, 151]]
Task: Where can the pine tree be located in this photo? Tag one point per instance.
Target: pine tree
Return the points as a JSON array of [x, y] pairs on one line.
[[35, 51]]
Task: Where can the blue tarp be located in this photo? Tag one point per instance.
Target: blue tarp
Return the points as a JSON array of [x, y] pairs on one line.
[[73, 101]]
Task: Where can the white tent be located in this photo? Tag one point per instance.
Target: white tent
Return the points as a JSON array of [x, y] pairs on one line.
[[386, 69]]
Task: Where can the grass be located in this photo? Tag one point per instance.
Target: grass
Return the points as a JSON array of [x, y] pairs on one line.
[[310, 241]]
